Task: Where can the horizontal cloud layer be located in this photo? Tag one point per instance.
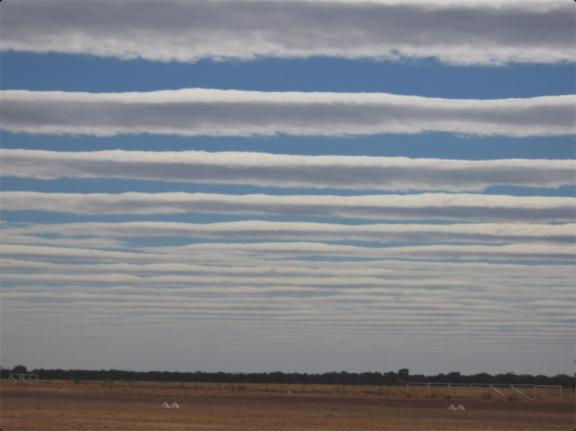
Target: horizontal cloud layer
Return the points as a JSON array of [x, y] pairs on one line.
[[425, 272], [273, 170], [200, 112], [431, 252], [152, 263], [258, 229], [416, 206], [294, 250], [299, 292], [477, 32]]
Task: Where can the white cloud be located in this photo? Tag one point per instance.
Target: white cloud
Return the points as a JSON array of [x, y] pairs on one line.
[[266, 230], [341, 310], [472, 32], [499, 281], [93, 241], [498, 304], [432, 252], [275, 170], [200, 112], [179, 307], [417, 206], [211, 283], [70, 252], [294, 250], [487, 274]]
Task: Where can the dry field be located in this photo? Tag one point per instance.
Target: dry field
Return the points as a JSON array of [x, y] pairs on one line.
[[119, 406]]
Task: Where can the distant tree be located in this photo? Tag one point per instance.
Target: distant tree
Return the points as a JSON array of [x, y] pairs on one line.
[[400, 377], [20, 369], [404, 372], [485, 378], [403, 375], [454, 377]]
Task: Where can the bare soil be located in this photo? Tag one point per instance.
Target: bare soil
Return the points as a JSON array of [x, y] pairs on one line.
[[64, 406]]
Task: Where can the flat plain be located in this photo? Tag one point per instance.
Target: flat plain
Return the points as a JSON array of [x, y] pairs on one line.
[[119, 406]]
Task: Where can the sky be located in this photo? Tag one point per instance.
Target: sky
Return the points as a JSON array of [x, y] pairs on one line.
[[261, 185]]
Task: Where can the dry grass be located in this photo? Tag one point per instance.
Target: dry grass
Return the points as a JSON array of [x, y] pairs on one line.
[[131, 406], [392, 391]]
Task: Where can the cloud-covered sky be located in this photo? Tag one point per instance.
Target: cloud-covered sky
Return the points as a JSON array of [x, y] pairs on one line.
[[436, 206], [363, 185], [474, 32], [200, 112], [291, 171]]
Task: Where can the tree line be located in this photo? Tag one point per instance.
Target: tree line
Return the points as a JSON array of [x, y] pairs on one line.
[[400, 377]]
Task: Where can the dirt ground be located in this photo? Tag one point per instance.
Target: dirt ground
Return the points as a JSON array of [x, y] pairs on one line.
[[94, 406]]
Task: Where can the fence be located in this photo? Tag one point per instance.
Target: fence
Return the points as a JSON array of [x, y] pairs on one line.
[[501, 391], [504, 391], [23, 377]]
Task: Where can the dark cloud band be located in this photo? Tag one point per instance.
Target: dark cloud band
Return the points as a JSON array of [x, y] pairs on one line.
[[200, 112], [472, 32]]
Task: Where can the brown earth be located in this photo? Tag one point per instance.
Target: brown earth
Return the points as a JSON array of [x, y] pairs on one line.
[[66, 406]]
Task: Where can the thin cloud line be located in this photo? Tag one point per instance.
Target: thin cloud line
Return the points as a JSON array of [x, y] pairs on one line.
[[296, 171], [262, 230], [203, 112], [426, 206], [471, 33]]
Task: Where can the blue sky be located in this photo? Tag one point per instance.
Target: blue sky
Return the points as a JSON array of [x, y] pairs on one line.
[[434, 233]]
